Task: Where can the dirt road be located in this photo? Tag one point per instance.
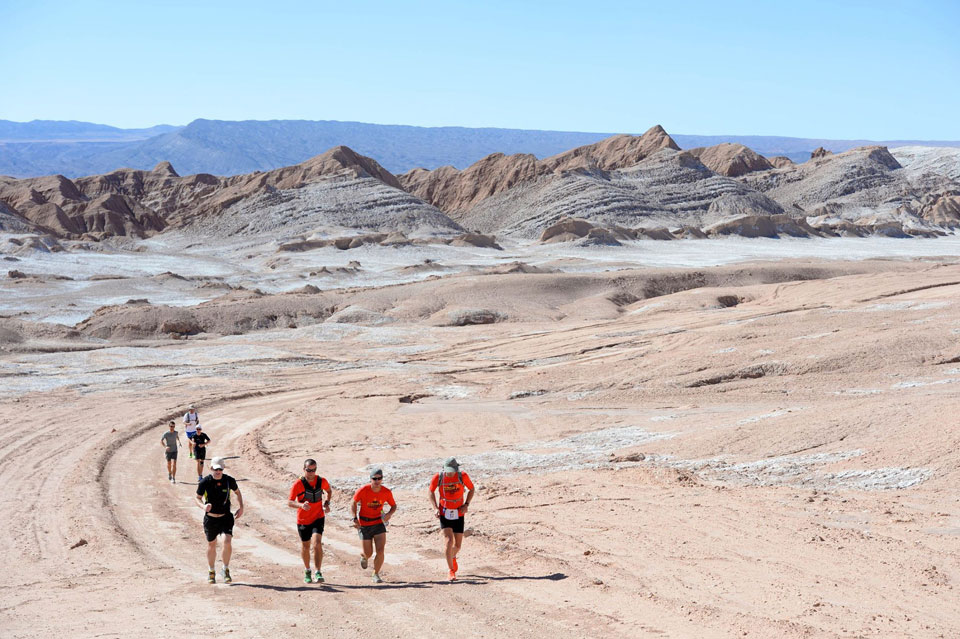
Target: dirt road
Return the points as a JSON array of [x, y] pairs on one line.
[[782, 467]]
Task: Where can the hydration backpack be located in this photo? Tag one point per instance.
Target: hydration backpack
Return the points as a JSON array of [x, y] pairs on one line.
[[312, 495]]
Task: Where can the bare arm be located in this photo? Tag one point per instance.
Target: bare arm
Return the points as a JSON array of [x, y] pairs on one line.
[[433, 501], [466, 503], [387, 515], [239, 503], [353, 513], [301, 505], [326, 504], [199, 499]]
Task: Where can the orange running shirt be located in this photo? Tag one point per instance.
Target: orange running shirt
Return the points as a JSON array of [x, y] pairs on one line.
[[451, 491], [371, 504], [315, 512]]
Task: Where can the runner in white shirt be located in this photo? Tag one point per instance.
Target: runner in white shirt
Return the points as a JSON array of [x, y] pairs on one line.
[[190, 420]]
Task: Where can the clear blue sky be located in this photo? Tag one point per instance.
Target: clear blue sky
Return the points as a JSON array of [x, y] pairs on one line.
[[855, 69]]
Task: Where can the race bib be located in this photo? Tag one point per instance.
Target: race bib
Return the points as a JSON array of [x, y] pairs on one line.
[[451, 513]]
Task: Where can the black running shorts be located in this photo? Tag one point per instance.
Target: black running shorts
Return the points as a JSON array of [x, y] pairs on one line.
[[200, 452], [216, 526], [309, 530], [369, 532], [172, 455], [455, 524]]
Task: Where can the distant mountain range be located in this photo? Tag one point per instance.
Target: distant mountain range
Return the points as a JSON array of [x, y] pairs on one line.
[[73, 149]]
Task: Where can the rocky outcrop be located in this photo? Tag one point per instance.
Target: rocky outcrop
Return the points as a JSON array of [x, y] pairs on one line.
[[565, 229], [455, 192], [819, 153], [864, 178], [731, 160], [451, 190], [467, 317], [349, 190], [617, 152], [918, 160], [478, 240], [781, 161], [763, 226], [942, 209], [668, 189]]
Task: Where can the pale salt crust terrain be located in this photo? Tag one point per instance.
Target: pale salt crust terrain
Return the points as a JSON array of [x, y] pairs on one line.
[[781, 465]]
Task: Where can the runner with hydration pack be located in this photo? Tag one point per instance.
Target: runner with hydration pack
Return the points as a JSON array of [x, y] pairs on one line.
[[190, 421], [452, 508], [213, 496], [371, 521], [200, 441], [306, 495]]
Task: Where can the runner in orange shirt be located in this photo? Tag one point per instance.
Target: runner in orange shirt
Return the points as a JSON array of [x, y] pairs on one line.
[[306, 495], [371, 521], [452, 508]]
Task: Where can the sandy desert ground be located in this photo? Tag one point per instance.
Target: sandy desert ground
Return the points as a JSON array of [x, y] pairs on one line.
[[776, 456]]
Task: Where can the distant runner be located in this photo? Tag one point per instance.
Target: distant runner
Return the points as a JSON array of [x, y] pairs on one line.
[[213, 495], [371, 522], [306, 495], [452, 508], [191, 419], [200, 441], [169, 440]]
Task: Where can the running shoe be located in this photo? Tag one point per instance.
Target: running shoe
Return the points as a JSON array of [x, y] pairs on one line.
[[306, 577], [318, 578], [455, 566], [363, 562], [227, 579], [199, 478], [453, 575], [377, 579], [191, 456], [173, 480], [211, 577]]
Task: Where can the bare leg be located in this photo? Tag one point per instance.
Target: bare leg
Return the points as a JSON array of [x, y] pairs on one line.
[[200, 467], [457, 542], [212, 553], [380, 541], [227, 550], [305, 554], [317, 552], [174, 466], [367, 548], [449, 546]]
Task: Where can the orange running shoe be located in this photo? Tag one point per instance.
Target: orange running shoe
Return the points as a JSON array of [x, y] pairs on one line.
[[455, 566], [453, 575]]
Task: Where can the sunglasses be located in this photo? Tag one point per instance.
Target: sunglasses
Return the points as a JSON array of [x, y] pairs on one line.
[[377, 478], [310, 470], [217, 470]]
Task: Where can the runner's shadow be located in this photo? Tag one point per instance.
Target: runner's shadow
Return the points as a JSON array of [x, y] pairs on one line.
[[393, 585], [557, 576], [320, 587], [471, 580]]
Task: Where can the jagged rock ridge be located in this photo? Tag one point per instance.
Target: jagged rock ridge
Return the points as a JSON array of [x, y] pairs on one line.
[[141, 203]]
